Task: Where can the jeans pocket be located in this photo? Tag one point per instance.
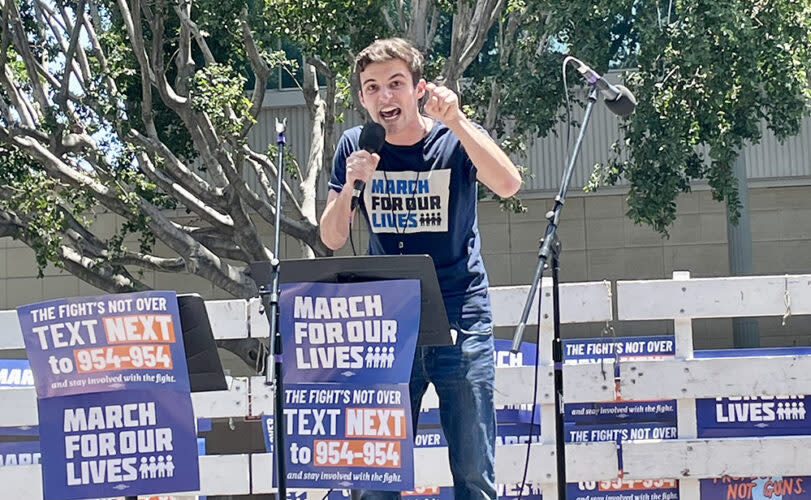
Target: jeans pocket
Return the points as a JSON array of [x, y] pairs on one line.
[[475, 344]]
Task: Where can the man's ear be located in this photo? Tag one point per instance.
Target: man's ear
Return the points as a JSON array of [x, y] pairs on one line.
[[421, 88]]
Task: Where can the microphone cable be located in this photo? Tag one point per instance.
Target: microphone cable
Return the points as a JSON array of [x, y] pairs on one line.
[[351, 240], [534, 397]]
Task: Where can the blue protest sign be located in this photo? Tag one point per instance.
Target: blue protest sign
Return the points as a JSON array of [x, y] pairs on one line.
[[358, 437], [267, 433], [753, 415], [620, 349], [593, 350], [771, 487], [19, 453], [105, 343], [621, 412], [649, 489], [526, 355], [620, 421], [619, 432], [113, 395], [15, 373], [122, 442], [347, 408], [342, 331], [429, 437]]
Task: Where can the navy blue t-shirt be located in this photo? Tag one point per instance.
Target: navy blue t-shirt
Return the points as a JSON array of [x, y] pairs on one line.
[[422, 200]]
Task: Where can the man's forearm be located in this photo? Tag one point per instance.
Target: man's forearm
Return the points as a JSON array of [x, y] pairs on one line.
[[495, 169], [334, 225]]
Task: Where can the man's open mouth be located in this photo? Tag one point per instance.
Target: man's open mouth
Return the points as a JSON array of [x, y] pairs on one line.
[[388, 114]]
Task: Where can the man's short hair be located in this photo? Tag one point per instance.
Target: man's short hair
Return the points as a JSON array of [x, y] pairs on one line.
[[387, 49]]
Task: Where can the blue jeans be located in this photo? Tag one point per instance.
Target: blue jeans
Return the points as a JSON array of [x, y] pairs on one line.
[[463, 375]]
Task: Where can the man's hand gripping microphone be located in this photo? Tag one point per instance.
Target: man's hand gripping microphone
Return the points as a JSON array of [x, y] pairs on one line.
[[372, 137]]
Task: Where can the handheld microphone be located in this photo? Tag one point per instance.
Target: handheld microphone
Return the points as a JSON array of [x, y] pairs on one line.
[[618, 99], [372, 137]]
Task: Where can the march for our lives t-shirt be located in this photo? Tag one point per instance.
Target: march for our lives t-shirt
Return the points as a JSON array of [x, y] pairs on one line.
[[422, 200]]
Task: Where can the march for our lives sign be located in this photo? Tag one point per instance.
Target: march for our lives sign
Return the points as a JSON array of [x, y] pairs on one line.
[[754, 416], [15, 373], [755, 488], [115, 415], [19, 453], [349, 349]]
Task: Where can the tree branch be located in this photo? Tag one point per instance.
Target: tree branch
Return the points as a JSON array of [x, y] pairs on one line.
[[260, 68], [182, 193], [178, 171], [198, 37], [22, 48], [185, 61], [199, 259], [151, 262]]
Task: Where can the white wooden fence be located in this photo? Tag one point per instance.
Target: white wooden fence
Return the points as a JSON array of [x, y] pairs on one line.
[[688, 459]]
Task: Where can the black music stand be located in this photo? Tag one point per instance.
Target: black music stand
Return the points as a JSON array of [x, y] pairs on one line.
[[202, 359], [434, 326]]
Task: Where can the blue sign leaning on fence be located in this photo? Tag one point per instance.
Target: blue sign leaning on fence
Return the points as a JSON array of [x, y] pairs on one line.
[[120, 442], [113, 395], [754, 416]]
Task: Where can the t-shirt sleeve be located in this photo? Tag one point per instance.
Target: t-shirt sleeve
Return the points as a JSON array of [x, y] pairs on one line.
[[342, 151]]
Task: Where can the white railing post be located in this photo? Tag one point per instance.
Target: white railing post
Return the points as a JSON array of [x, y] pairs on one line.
[[685, 407]]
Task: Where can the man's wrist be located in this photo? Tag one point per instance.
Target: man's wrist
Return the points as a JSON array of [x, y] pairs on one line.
[[457, 122]]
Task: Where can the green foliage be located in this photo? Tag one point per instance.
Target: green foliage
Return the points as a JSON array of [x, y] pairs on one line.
[[45, 201], [218, 91], [708, 76], [328, 29], [291, 164], [711, 74]]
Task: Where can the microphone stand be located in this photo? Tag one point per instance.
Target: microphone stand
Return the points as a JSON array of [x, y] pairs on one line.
[[550, 249], [270, 302]]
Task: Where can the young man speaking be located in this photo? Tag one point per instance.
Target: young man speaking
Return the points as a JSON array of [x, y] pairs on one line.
[[425, 203]]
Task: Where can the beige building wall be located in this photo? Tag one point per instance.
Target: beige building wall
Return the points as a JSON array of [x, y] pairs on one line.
[[599, 243]]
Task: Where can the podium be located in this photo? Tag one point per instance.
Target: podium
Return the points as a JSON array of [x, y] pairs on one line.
[[434, 327], [339, 272]]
